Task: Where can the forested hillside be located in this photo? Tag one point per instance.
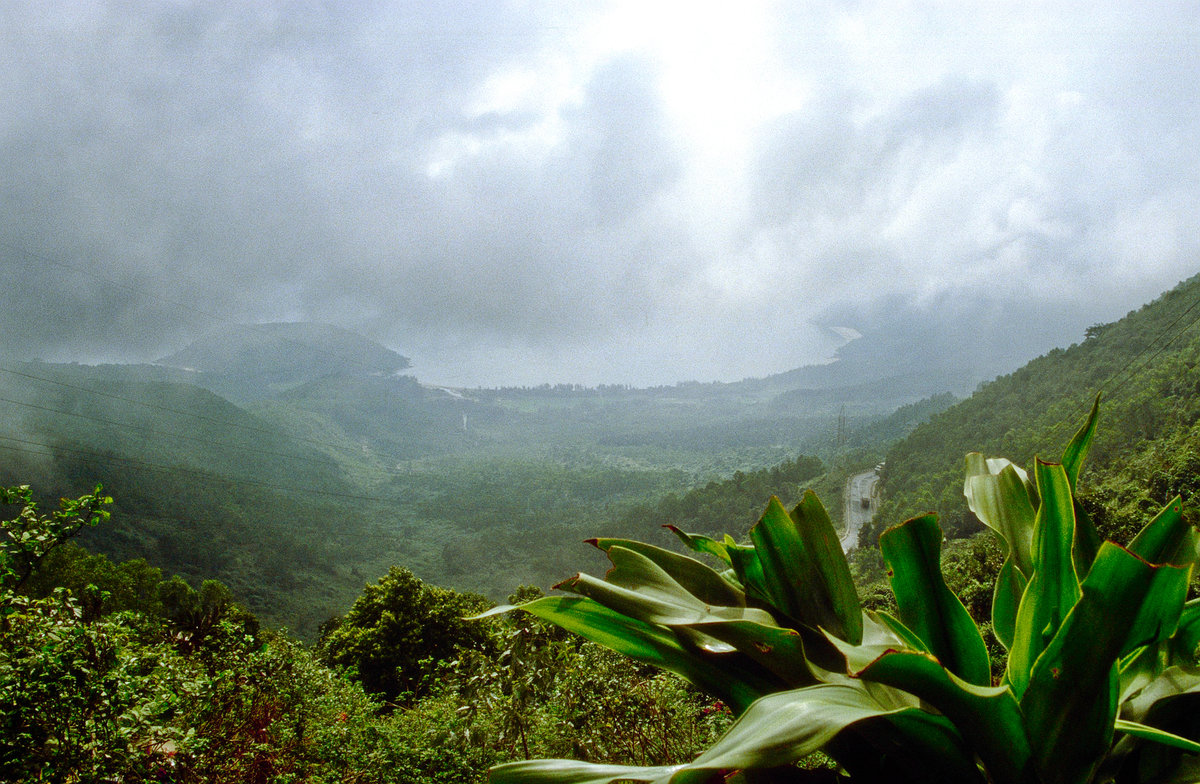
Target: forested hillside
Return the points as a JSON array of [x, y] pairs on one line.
[[294, 463], [1147, 447], [298, 497]]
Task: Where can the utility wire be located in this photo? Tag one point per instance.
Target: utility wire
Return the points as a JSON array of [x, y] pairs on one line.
[[207, 476], [158, 407], [1132, 370], [148, 429], [195, 522], [224, 422], [31, 255], [1120, 378], [305, 347]]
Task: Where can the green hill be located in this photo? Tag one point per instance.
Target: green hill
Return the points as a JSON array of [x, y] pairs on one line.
[[293, 463], [1145, 367], [257, 359]]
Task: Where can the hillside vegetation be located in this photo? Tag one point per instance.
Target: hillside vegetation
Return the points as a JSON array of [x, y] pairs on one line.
[[294, 464], [1148, 444], [114, 671]]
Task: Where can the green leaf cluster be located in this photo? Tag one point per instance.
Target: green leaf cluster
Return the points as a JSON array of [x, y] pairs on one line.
[[1098, 685]]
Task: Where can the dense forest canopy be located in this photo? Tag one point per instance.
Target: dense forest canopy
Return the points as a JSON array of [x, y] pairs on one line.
[[1144, 368], [296, 482]]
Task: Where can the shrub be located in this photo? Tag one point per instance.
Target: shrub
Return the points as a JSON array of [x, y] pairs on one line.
[[400, 631]]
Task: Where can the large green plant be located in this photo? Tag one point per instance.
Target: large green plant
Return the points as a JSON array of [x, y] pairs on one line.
[[1100, 684]]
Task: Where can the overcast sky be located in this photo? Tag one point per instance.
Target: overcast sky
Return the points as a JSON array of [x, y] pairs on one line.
[[635, 192]]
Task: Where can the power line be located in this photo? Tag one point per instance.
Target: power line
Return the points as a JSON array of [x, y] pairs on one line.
[[28, 254], [1131, 369], [156, 406], [45, 259], [57, 450], [224, 422], [1176, 336], [148, 429], [385, 470]]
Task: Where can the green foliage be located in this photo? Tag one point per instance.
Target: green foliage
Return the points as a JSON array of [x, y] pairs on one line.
[[109, 672], [159, 681], [400, 631], [1099, 683], [1144, 456], [709, 508], [605, 709], [131, 585], [29, 537], [73, 706], [240, 473]]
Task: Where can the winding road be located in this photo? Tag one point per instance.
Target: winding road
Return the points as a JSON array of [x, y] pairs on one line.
[[861, 500]]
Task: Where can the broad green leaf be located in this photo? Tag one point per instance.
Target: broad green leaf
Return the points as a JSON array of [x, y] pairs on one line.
[[1071, 700], [906, 747], [749, 571], [1087, 538], [1158, 736], [998, 494], [1053, 588], [1156, 670], [1169, 704], [562, 771], [787, 569], [1087, 541], [1172, 682], [639, 588], [1168, 538], [878, 621], [786, 726], [774, 731], [1140, 668], [724, 676], [988, 718], [699, 580], [912, 552], [698, 543], [804, 568], [1077, 449], [744, 570], [781, 651], [644, 642], [1006, 598], [1187, 636]]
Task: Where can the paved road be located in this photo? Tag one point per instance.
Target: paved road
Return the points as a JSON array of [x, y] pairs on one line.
[[856, 515]]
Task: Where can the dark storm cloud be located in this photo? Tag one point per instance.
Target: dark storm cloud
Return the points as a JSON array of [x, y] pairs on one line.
[[224, 157], [549, 247], [511, 192]]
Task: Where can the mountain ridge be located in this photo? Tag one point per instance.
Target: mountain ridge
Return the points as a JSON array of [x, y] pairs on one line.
[[285, 353]]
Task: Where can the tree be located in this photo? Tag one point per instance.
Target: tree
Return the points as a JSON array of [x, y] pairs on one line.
[[30, 537], [400, 630]]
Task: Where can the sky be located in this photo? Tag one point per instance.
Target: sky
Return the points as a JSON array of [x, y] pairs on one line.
[[595, 192]]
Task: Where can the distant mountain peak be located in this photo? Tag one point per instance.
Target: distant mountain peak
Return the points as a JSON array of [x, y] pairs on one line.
[[284, 352]]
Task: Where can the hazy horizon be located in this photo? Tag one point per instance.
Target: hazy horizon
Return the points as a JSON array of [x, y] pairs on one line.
[[586, 192]]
